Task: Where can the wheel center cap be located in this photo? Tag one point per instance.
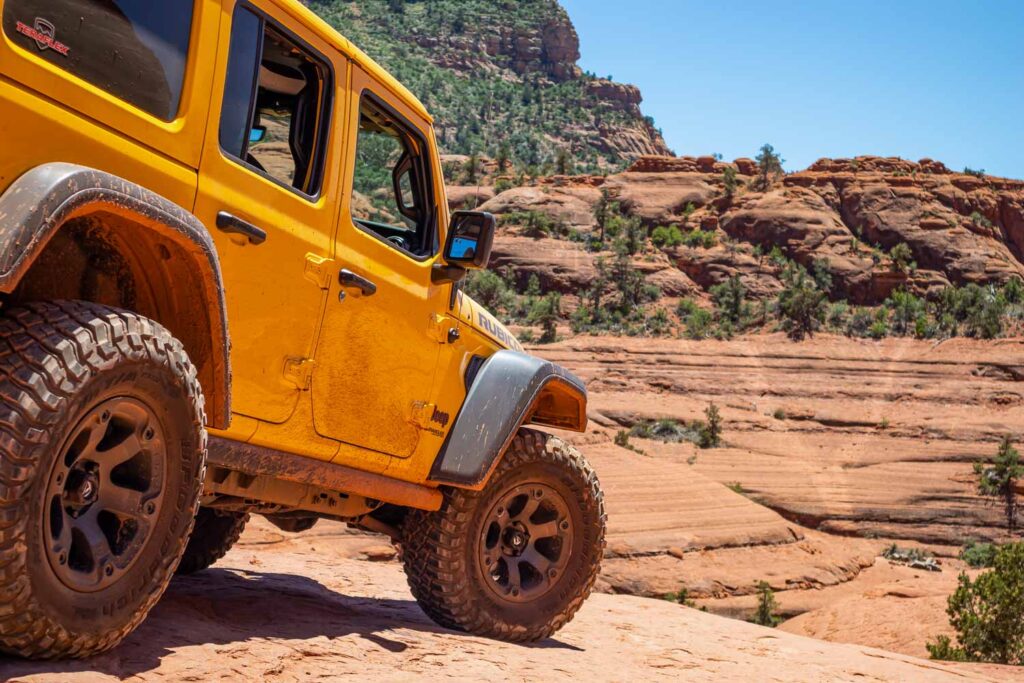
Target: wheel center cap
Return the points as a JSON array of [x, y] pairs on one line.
[[516, 540], [83, 488]]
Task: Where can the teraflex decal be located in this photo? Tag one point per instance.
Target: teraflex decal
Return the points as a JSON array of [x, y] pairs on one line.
[[44, 34]]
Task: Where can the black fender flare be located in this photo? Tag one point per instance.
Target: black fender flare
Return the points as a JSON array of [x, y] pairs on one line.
[[36, 205], [510, 389]]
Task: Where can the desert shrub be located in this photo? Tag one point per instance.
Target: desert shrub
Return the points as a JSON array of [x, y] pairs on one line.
[[537, 223], [682, 596], [821, 271], [835, 316], [906, 310], [999, 480], [801, 304], [971, 310], [777, 258], [730, 300], [976, 172], [766, 607], [979, 555], [713, 432], [730, 181], [490, 289], [503, 185], [771, 170], [546, 312], [699, 324], [986, 613], [622, 441], [902, 258], [699, 239], [859, 322], [980, 220], [666, 237], [899, 555], [658, 323], [1013, 291], [706, 434]]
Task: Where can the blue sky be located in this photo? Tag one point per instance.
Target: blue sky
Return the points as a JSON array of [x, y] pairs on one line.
[[911, 78]]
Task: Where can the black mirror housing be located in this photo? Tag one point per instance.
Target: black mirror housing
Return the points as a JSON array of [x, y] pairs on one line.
[[470, 239]]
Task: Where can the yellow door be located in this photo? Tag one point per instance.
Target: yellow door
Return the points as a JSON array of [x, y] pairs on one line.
[[268, 182], [384, 325]]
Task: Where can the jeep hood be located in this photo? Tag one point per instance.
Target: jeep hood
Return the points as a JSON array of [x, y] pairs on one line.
[[487, 325]]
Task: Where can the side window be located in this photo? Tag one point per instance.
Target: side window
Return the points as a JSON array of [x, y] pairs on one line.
[[391, 195], [276, 104], [134, 49]]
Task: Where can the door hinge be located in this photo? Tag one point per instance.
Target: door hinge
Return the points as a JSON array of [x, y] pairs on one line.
[[299, 371], [319, 270], [440, 328]]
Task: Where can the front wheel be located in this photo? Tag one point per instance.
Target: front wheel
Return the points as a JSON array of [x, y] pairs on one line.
[[517, 560], [102, 457]]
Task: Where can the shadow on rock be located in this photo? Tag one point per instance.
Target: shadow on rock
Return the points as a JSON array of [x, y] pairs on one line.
[[231, 608]]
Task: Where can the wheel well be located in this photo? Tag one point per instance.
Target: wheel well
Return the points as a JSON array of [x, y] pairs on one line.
[[109, 258]]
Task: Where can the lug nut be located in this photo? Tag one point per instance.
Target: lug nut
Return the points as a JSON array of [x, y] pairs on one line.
[[105, 417], [108, 570], [552, 573], [148, 434], [63, 558], [564, 526], [150, 508], [538, 494]]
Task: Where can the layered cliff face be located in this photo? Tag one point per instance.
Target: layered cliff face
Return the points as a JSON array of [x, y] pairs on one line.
[[843, 216], [501, 73]]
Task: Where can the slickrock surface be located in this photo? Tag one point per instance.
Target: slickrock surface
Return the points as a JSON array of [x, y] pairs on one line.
[[300, 610]]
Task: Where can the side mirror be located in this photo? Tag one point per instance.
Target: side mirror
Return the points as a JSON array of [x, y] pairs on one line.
[[257, 134], [468, 247]]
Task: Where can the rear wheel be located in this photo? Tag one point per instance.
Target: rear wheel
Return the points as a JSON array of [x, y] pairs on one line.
[[215, 532], [102, 458], [516, 560]]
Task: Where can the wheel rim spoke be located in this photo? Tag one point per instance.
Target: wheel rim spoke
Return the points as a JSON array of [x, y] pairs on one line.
[[528, 509], [120, 453], [544, 530], [535, 559], [120, 500], [96, 541], [514, 577]]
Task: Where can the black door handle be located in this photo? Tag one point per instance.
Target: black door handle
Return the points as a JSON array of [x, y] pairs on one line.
[[236, 226], [350, 280]]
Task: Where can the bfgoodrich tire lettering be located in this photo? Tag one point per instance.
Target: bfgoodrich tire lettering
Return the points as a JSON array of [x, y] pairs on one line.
[[58, 362], [446, 553]]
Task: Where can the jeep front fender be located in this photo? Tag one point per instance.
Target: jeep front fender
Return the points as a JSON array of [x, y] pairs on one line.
[[511, 389]]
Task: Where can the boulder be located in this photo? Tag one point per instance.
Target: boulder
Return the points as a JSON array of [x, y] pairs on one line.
[[572, 205], [660, 198]]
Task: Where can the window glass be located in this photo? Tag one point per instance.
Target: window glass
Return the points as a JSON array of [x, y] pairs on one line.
[[391, 189], [275, 104], [134, 49]]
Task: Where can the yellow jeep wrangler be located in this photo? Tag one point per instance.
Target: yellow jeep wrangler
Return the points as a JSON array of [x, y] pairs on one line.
[[229, 284]]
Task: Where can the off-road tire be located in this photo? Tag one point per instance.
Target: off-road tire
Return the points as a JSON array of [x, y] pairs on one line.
[[215, 532], [57, 361], [445, 573]]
